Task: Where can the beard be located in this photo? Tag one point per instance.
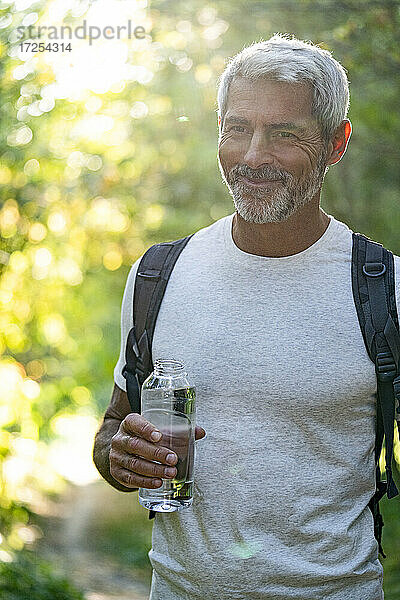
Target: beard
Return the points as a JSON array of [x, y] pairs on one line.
[[275, 204]]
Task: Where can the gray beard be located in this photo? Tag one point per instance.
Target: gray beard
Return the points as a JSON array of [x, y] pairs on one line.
[[276, 204]]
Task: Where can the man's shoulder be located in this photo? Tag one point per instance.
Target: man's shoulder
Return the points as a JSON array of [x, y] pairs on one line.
[[207, 239], [214, 229], [376, 241], [397, 269], [203, 236]]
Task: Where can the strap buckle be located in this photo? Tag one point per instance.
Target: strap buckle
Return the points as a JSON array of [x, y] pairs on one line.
[[374, 269], [385, 366]]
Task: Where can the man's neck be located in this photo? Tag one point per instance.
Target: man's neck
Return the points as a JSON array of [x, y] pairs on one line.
[[297, 233]]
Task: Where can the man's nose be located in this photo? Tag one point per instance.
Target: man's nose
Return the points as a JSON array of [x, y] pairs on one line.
[[259, 151]]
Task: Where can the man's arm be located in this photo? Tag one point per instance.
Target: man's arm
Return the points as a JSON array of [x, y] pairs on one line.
[[117, 410]]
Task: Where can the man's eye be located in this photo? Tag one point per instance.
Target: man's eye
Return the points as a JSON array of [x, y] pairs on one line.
[[285, 134]]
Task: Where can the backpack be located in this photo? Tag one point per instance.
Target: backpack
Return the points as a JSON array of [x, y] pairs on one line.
[[373, 285]]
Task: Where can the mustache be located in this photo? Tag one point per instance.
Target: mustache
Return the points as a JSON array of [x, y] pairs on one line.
[[265, 172]]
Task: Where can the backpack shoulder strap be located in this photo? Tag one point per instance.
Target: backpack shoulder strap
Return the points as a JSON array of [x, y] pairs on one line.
[[373, 285], [374, 295], [151, 281]]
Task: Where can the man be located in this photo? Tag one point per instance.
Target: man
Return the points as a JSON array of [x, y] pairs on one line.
[[259, 307]]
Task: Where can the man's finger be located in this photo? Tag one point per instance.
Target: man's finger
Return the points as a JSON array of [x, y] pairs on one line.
[[138, 425], [199, 433], [133, 480]]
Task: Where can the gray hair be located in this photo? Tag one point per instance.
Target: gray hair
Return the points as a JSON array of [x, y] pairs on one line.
[[282, 58]]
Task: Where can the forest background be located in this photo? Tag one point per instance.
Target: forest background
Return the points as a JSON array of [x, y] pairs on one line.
[[105, 149]]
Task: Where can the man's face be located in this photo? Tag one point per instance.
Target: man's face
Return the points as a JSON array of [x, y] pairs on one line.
[[271, 154]]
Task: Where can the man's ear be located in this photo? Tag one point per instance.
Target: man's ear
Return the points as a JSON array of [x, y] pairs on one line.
[[337, 147]]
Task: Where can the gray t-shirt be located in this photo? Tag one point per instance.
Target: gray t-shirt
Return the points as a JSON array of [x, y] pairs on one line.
[[286, 394]]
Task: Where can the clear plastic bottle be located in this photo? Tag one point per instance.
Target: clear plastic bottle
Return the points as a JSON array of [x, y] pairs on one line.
[[168, 402]]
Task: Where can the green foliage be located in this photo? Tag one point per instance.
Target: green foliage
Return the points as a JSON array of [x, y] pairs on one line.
[[30, 577], [390, 510], [116, 527], [128, 542], [12, 513]]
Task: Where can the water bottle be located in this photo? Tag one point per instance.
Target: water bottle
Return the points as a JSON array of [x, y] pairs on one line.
[[168, 402]]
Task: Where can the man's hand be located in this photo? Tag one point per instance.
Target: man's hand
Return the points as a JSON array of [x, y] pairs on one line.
[[134, 447]]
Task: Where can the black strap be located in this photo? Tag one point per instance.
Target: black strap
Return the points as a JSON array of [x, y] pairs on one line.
[[151, 281], [374, 296]]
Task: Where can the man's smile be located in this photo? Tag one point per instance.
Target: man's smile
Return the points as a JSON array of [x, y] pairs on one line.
[[260, 182]]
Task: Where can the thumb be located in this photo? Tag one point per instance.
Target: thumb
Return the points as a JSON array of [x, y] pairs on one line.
[[199, 433]]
